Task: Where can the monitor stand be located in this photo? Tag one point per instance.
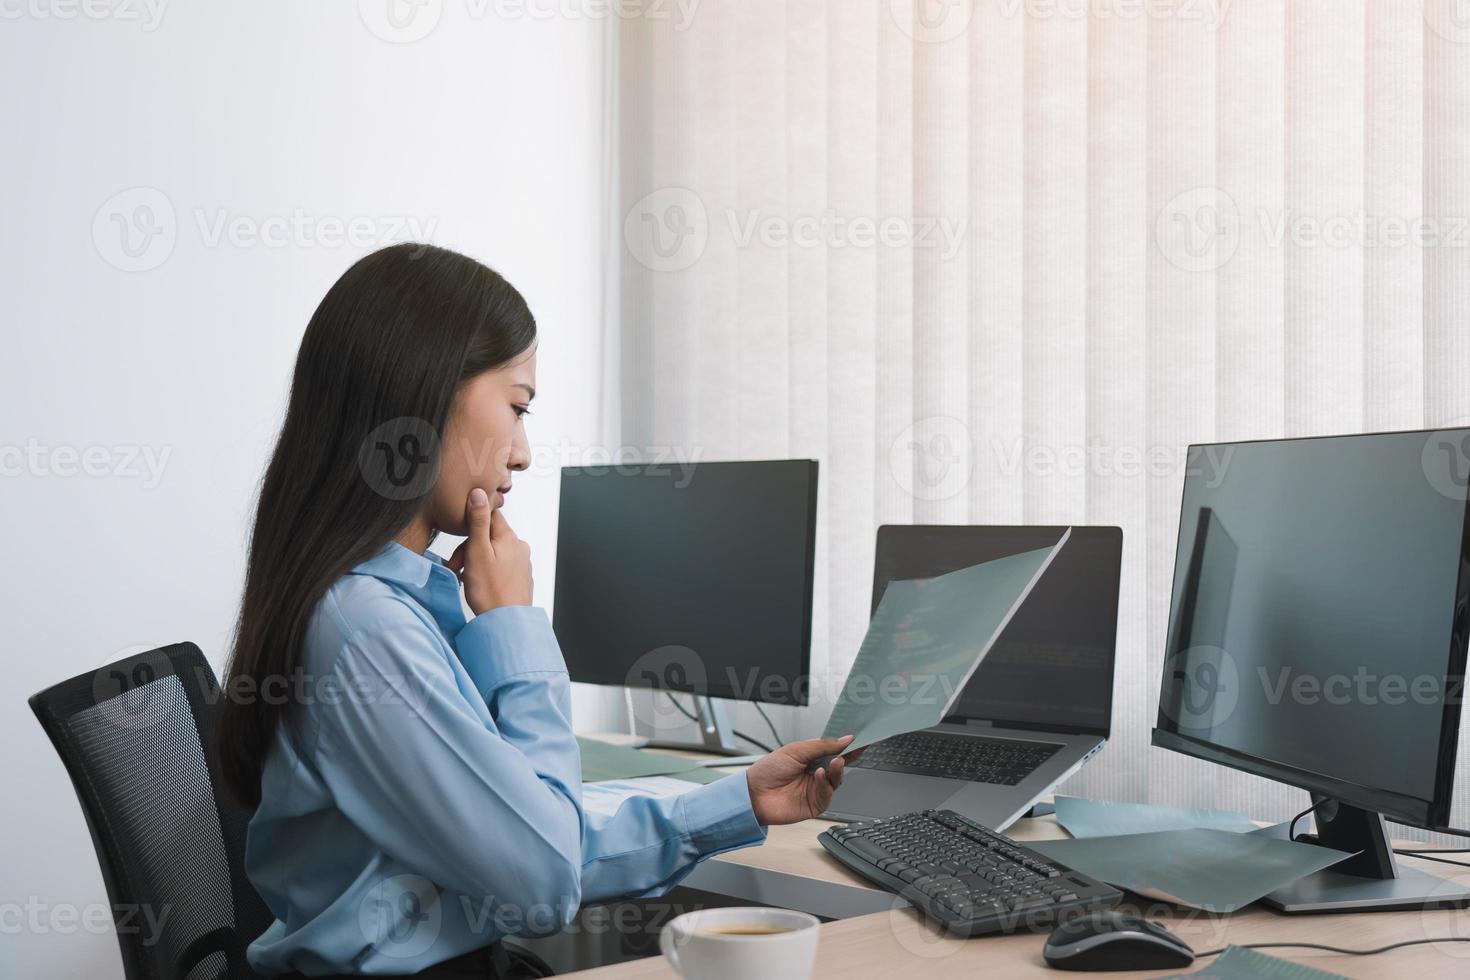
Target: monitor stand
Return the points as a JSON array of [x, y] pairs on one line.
[[716, 736], [1370, 881]]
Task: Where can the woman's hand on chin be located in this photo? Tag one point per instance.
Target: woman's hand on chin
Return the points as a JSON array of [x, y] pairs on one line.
[[781, 789], [493, 564]]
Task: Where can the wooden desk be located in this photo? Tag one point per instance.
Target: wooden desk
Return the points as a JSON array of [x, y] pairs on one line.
[[888, 944]]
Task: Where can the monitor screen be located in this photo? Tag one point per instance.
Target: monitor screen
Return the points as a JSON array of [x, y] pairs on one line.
[[692, 577], [1052, 666], [1317, 624]]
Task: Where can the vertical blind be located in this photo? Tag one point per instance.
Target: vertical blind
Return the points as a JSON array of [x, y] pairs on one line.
[[1002, 261]]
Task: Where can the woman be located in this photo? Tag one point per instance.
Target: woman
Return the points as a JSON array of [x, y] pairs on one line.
[[416, 781]]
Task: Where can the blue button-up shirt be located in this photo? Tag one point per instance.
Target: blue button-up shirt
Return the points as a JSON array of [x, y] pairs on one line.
[[427, 799]]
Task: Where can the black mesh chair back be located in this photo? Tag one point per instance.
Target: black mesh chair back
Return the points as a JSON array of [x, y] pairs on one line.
[[137, 738]]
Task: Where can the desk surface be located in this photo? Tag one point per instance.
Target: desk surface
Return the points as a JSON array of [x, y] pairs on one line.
[[883, 944]]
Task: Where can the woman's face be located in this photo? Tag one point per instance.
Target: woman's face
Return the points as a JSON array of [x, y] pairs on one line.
[[484, 441]]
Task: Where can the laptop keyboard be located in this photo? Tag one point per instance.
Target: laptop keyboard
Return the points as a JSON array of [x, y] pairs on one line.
[[974, 758]]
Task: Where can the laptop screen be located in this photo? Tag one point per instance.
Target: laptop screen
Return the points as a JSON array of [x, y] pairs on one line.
[[1052, 666]]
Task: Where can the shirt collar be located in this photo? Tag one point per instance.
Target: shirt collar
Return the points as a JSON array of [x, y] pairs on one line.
[[424, 577], [399, 565]]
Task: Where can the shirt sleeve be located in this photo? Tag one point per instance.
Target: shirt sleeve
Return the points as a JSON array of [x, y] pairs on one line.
[[650, 844], [653, 843], [494, 811]]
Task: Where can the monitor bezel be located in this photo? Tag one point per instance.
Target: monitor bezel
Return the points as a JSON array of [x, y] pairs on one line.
[[1431, 814], [800, 690], [1112, 533]]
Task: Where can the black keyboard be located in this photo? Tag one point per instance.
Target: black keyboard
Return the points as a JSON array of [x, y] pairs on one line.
[[971, 880], [975, 758]]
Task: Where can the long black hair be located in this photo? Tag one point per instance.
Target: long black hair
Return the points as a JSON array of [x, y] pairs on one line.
[[378, 369]]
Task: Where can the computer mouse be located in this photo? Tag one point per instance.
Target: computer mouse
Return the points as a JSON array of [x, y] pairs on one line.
[[1115, 941]]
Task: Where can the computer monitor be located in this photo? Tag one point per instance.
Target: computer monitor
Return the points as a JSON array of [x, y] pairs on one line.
[[695, 578], [1051, 668], [1318, 636]]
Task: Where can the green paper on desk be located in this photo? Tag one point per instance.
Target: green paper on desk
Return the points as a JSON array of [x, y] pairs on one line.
[[1214, 870], [1102, 818], [1239, 963], [926, 638], [603, 760]]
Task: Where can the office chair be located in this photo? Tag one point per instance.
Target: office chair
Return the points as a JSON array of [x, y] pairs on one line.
[[137, 739]]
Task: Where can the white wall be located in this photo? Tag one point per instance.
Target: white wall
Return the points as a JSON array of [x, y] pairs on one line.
[[485, 131]]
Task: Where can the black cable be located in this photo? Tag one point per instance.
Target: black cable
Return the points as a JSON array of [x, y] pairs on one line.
[[682, 710], [753, 741], [1425, 857], [1436, 850], [734, 731], [775, 735], [1339, 949], [1291, 831]]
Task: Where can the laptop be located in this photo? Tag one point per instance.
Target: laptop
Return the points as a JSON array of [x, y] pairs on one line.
[[1037, 708]]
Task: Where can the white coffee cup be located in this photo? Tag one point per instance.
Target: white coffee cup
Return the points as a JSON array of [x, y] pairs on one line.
[[741, 944]]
